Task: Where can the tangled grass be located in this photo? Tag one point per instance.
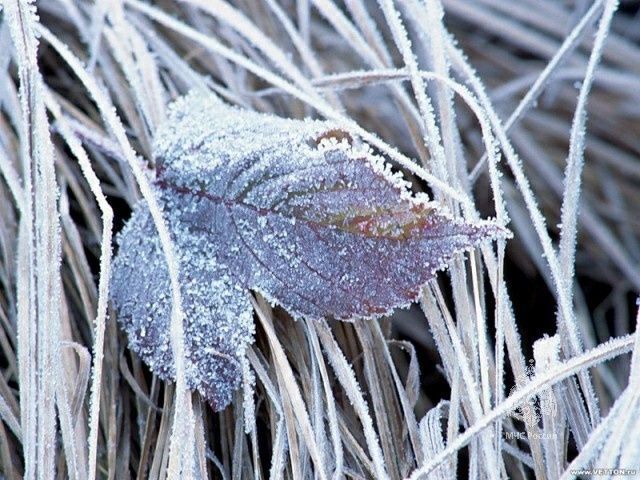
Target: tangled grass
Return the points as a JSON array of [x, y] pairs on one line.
[[527, 111]]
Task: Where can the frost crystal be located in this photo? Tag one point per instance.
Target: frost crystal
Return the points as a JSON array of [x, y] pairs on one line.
[[285, 207]]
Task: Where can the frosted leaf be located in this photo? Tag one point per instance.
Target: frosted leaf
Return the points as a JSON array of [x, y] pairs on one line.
[[293, 209], [218, 320]]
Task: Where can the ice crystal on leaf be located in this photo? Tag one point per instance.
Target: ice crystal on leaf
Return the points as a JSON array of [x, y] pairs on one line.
[[293, 209]]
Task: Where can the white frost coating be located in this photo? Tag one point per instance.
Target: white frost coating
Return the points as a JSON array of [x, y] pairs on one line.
[[217, 316], [432, 440], [603, 352], [573, 178], [249, 405], [332, 15], [285, 207], [181, 429]]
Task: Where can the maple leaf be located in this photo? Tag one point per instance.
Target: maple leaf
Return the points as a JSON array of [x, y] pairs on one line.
[[296, 210]]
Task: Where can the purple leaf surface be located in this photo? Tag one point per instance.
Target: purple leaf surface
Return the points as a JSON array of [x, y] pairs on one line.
[[296, 210]]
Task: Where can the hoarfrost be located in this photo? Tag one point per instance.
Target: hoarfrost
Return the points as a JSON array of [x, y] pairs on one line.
[[289, 208]]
